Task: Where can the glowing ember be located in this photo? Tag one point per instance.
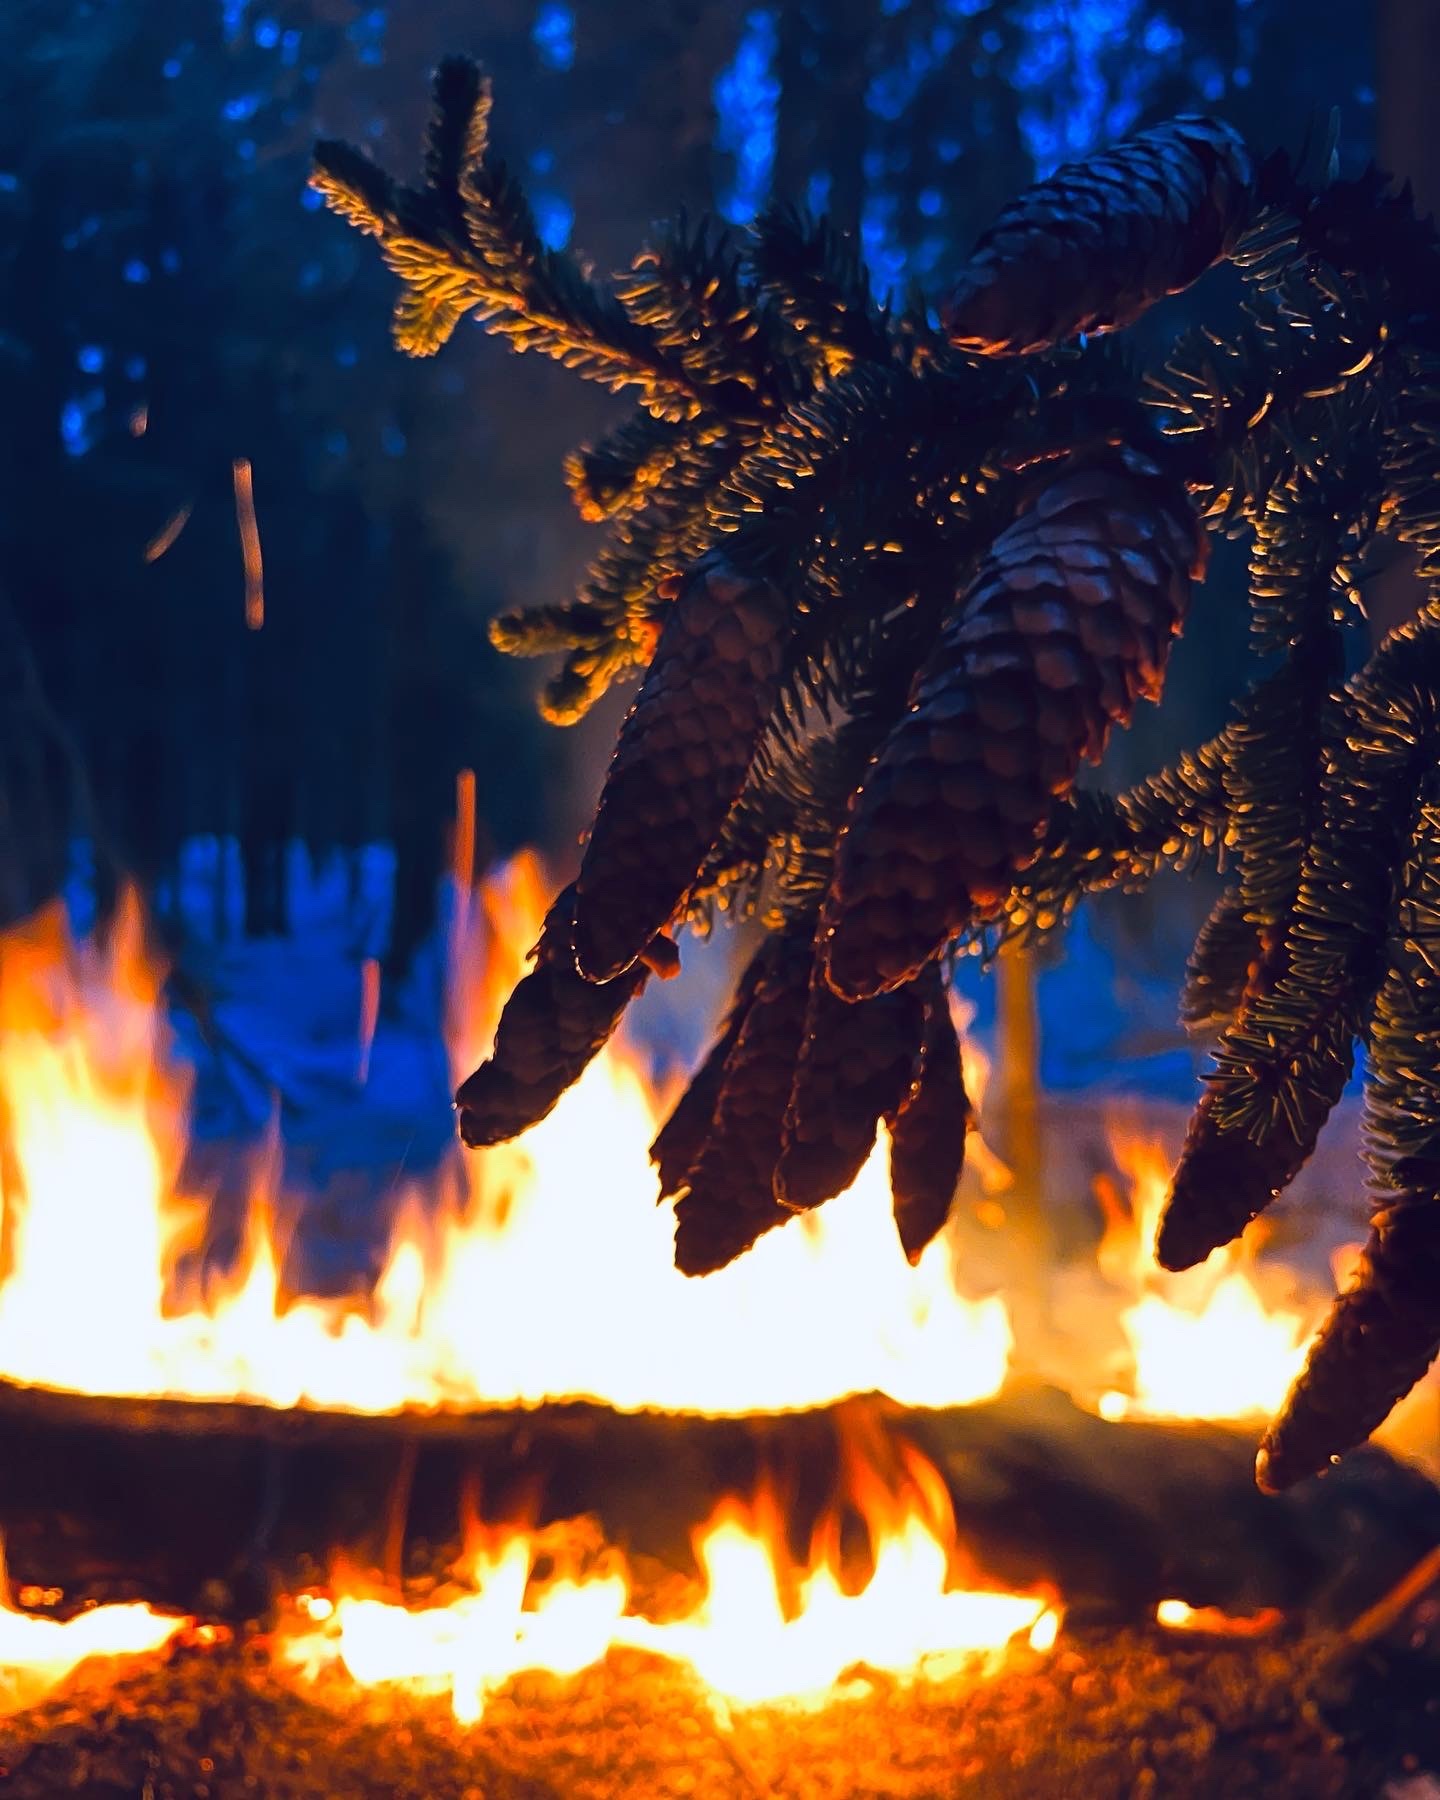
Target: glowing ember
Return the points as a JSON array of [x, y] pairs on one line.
[[547, 1277], [166, 536], [741, 1640], [1206, 1343], [1210, 1621], [249, 544], [36, 1654]]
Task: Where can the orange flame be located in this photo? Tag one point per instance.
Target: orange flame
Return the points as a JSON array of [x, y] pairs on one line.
[[543, 1273], [741, 1638], [36, 1654], [1204, 1344]]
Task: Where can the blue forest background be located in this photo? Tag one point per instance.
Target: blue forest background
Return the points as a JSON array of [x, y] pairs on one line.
[[173, 299]]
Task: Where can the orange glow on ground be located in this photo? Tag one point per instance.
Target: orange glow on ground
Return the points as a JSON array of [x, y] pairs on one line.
[[36, 1654]]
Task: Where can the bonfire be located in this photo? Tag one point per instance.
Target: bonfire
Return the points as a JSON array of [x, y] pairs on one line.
[[769, 1489]]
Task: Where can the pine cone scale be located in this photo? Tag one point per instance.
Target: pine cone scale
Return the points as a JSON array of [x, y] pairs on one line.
[[729, 1200], [856, 1062], [1011, 701], [680, 1140], [927, 1129], [682, 758], [552, 1026], [1092, 246]]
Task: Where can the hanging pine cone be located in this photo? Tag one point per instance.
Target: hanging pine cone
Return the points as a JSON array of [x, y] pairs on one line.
[[552, 1025], [1223, 1180], [1383, 1332], [1379, 1340], [1067, 623], [682, 1137], [927, 1131], [730, 1198], [1096, 243], [682, 758], [856, 1063], [1230, 1170]]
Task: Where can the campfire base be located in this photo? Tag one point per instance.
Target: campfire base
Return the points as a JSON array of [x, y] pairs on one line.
[[1123, 1714], [1112, 1517]]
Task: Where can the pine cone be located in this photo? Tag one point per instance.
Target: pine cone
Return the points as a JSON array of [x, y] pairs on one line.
[[856, 1064], [1067, 623], [927, 1132], [1223, 1180], [730, 1200], [1227, 1176], [552, 1025], [681, 761], [682, 1137], [1379, 1340], [1096, 243], [1383, 1332]]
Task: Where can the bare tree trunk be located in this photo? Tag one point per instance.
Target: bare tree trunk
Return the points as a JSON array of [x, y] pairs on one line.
[[1013, 1124]]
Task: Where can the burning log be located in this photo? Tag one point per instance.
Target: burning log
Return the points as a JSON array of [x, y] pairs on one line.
[[1127, 1518], [216, 1508]]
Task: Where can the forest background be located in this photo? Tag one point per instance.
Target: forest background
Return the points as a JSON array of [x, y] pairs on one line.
[[174, 304]]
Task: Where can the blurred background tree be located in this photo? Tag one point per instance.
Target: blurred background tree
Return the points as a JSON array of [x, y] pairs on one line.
[[173, 302]]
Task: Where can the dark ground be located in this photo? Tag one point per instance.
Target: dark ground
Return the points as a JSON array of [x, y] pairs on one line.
[[1133, 1714]]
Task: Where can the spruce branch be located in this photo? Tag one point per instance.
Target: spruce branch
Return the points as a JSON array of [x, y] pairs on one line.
[[1384, 1330], [816, 285], [888, 591], [1098, 842], [1221, 967], [1383, 740]]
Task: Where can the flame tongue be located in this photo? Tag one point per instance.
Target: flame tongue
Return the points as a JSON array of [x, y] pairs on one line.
[[37, 1653], [548, 1277], [742, 1639], [1206, 1343]]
